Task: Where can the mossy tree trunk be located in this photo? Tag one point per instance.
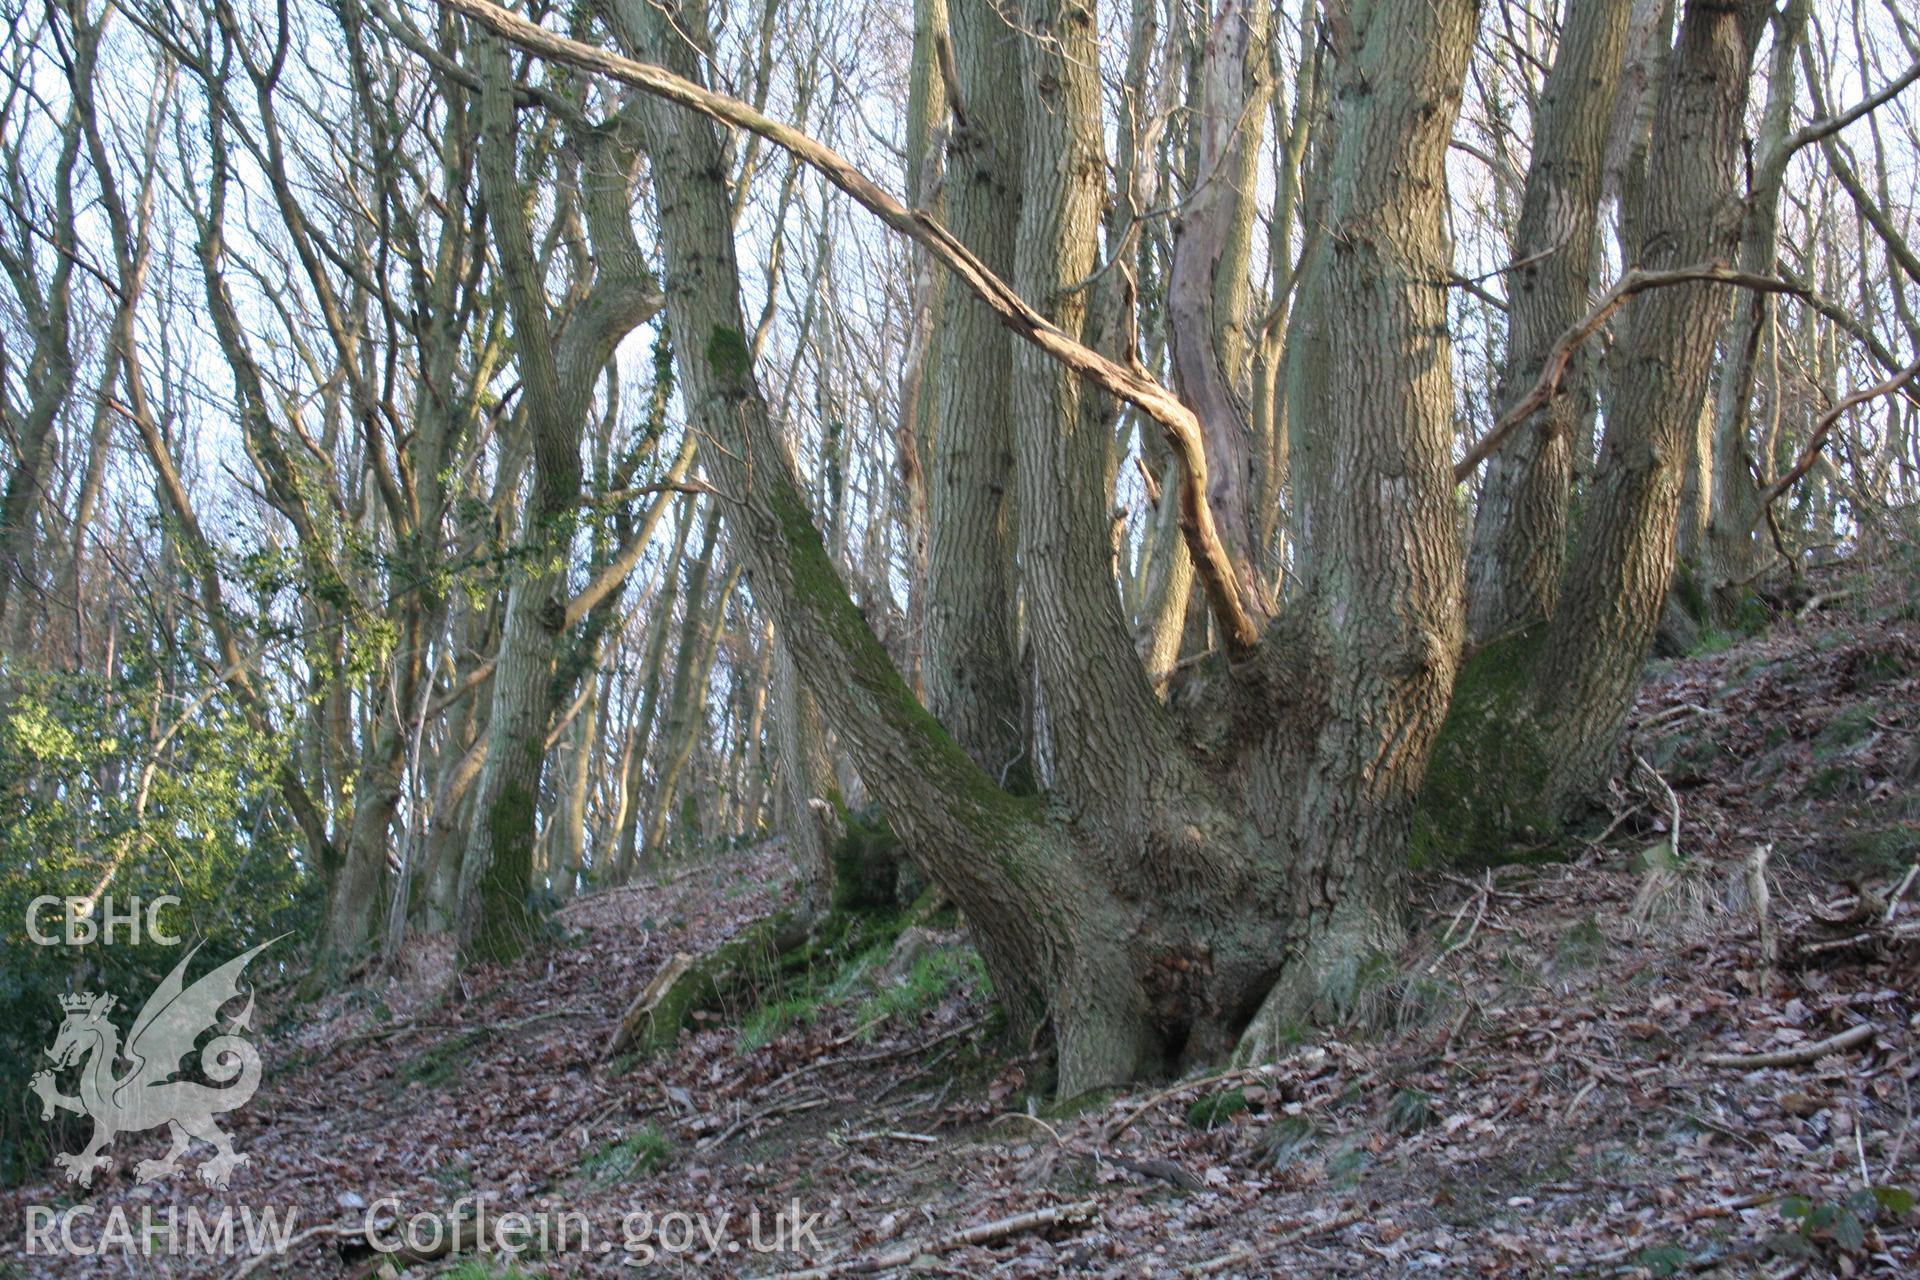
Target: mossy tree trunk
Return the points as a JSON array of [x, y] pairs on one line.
[[1189, 880], [559, 367], [1145, 907]]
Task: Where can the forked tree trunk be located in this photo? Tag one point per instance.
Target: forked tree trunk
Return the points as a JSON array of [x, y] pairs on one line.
[[1598, 642], [1520, 531], [1169, 894], [559, 377], [1148, 907]]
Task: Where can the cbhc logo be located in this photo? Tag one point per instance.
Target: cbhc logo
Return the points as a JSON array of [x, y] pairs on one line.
[[85, 919]]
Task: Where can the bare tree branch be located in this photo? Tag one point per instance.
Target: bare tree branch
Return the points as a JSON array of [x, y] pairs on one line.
[[1558, 360], [1130, 382]]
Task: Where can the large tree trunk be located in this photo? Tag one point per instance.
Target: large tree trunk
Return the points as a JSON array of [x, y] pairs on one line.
[[1382, 622], [1166, 891], [1136, 910]]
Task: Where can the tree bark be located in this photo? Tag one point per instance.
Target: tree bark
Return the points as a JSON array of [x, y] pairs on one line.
[[1598, 641], [973, 682], [1520, 530], [559, 377]]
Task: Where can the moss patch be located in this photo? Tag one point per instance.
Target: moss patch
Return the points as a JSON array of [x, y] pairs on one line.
[[1487, 782], [637, 1154], [506, 922]]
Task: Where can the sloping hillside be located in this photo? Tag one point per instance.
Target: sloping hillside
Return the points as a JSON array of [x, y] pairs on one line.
[[1563, 1075]]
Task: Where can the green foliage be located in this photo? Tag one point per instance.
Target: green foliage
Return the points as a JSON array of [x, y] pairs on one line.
[[1839, 1225], [486, 1269], [639, 1153], [1662, 1259], [78, 755], [1216, 1109], [1581, 947], [1713, 641], [1891, 848], [1410, 1112], [936, 973], [764, 1024]]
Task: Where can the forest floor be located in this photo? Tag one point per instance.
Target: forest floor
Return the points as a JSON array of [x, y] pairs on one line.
[[1530, 1090]]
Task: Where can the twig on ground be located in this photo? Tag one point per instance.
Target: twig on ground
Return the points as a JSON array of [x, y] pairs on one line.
[[1851, 1038], [887, 1135], [1253, 1253], [1127, 1121], [1076, 1214], [782, 1108], [1480, 913], [1673, 802], [259, 1260], [878, 1056]]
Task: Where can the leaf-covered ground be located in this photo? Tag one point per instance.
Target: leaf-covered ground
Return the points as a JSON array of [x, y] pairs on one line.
[[1531, 1089]]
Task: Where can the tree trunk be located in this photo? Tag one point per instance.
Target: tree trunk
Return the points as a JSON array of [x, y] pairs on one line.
[[973, 683], [1598, 641], [1520, 533], [559, 378]]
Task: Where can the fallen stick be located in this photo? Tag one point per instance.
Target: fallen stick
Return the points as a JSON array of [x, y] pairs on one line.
[[259, 1260], [999, 1229], [1906, 883], [1851, 1038], [1253, 1253]]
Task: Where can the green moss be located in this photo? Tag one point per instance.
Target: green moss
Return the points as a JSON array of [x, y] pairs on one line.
[[1581, 947], [866, 863], [1486, 784], [1713, 641], [770, 982], [1832, 781], [993, 814], [443, 1064], [483, 1269], [1883, 849], [506, 922], [729, 358], [1849, 726], [1688, 592], [1213, 1110], [639, 1153], [935, 974], [729, 973]]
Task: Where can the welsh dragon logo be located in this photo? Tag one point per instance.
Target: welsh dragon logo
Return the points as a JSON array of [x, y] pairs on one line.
[[144, 1095]]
